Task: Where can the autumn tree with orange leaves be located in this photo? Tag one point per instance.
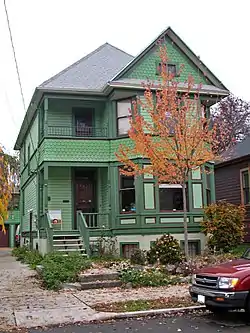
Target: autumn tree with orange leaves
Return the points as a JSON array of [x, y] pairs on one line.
[[175, 139], [5, 188]]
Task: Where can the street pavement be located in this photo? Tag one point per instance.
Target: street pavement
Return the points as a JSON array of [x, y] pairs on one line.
[[205, 323]]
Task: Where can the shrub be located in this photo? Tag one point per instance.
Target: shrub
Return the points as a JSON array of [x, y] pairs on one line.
[[147, 278], [138, 257], [104, 247], [58, 269], [20, 252], [26, 256], [224, 225], [166, 249]]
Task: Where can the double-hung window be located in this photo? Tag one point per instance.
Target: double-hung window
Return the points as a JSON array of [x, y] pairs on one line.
[[123, 114], [245, 187]]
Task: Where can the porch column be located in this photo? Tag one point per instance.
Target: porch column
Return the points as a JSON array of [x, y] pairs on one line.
[[12, 235], [45, 184], [46, 108]]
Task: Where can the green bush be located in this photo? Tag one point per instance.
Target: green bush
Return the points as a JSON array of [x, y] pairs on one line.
[[165, 249], [138, 257], [147, 278], [26, 256], [20, 252], [224, 224], [58, 269]]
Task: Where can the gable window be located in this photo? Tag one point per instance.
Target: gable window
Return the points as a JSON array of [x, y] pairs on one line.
[[245, 187], [127, 194], [123, 114], [170, 67], [171, 197]]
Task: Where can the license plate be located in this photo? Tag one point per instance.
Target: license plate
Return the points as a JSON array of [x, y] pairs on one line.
[[201, 299]]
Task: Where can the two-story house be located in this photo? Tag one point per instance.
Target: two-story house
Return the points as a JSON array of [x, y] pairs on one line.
[[71, 189], [232, 179]]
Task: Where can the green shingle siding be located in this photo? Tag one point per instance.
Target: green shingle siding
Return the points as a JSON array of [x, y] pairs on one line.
[[30, 202], [146, 67]]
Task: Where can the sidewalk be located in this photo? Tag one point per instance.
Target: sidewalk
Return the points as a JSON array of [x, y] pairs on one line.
[[24, 303]]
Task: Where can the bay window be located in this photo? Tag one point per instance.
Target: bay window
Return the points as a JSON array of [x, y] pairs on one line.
[[171, 197], [127, 194]]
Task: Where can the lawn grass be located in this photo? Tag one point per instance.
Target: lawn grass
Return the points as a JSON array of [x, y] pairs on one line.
[[142, 305]]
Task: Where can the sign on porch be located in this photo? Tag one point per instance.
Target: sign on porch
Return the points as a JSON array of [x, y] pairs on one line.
[[55, 216]]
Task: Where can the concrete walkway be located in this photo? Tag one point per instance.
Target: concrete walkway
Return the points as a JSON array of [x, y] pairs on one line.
[[24, 303]]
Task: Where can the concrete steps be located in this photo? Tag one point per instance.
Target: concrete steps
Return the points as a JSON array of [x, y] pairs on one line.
[[98, 281], [68, 242]]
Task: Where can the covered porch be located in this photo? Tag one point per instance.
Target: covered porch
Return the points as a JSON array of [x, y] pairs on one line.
[[66, 190]]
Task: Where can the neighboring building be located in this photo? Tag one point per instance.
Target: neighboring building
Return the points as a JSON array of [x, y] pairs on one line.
[[232, 178], [8, 239], [74, 124]]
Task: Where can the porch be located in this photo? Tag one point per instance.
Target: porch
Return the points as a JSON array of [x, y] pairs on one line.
[[69, 190]]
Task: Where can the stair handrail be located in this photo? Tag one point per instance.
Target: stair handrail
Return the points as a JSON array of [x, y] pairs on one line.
[[84, 231], [49, 231]]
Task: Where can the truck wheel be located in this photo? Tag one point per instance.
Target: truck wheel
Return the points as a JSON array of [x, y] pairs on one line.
[[216, 310]]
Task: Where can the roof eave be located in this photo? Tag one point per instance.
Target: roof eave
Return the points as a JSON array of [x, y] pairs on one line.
[[223, 93], [232, 161]]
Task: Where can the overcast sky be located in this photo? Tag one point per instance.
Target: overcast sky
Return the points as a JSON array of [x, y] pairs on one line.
[[51, 34]]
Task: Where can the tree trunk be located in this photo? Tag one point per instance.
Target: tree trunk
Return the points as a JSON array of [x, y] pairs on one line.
[[185, 222]]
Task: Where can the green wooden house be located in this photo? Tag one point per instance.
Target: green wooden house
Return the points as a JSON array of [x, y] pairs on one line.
[[71, 190]]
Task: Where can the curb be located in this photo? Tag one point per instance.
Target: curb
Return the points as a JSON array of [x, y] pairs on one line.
[[146, 313]]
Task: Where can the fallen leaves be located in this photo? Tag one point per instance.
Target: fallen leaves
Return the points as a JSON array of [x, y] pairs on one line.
[[142, 305]]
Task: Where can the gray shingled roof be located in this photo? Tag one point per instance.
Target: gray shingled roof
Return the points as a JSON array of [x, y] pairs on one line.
[[241, 149], [91, 72]]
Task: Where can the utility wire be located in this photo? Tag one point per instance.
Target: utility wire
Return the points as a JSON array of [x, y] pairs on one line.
[[14, 54], [18, 74]]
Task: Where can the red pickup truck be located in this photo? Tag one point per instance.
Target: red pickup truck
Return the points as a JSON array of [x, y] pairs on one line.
[[225, 286]]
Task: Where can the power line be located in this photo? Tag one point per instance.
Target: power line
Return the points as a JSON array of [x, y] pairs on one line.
[[14, 54], [18, 73]]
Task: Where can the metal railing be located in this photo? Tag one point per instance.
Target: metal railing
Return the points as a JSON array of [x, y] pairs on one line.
[[75, 131], [84, 230], [49, 231]]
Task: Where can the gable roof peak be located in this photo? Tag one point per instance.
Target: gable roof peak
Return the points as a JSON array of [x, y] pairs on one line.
[[183, 47]]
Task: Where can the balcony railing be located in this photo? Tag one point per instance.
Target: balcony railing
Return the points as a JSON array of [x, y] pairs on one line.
[[78, 132]]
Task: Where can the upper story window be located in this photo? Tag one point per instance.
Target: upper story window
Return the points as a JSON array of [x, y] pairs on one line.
[[123, 114], [170, 67], [245, 187]]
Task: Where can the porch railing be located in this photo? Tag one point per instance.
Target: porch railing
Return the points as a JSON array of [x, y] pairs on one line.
[[84, 230], [49, 231], [79, 132], [97, 220]]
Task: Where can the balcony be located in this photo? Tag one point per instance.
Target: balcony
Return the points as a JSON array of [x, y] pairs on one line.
[[77, 132]]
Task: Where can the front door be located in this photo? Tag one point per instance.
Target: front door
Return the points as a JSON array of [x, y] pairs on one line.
[[84, 197]]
